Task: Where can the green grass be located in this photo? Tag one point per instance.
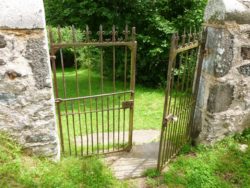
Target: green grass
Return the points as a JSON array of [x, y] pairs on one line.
[[148, 109], [148, 105], [148, 102], [222, 165], [19, 170]]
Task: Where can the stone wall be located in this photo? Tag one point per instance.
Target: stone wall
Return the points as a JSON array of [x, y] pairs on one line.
[[26, 98], [223, 106]]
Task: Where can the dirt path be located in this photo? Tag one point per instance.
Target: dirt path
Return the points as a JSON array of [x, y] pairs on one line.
[[144, 155]]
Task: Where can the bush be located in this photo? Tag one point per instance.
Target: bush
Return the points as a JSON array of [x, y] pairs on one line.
[[155, 22]]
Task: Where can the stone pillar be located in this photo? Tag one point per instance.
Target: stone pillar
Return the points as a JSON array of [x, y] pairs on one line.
[[26, 99], [223, 105]]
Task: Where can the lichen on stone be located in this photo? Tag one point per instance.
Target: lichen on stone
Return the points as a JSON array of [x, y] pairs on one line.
[[36, 54]]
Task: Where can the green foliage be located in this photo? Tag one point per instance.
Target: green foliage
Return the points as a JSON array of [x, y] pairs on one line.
[[244, 137], [66, 34], [85, 57], [155, 22], [187, 148], [20, 170], [221, 165], [152, 173], [148, 114]]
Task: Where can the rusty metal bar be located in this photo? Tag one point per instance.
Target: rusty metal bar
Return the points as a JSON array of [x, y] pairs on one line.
[[190, 99], [188, 105], [95, 111], [97, 128], [176, 124], [102, 86], [96, 44], [119, 113], [100, 33], [184, 90], [86, 125], [168, 145], [87, 33], [190, 46], [108, 120], [64, 87], [167, 93], [182, 115], [132, 88], [53, 61], [74, 129], [178, 112], [59, 100], [77, 85], [126, 33], [114, 84]]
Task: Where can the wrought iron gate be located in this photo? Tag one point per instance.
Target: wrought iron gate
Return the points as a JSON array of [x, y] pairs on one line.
[[180, 95], [94, 107]]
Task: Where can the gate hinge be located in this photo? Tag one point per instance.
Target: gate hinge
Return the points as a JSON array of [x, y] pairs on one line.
[[127, 104], [52, 57], [207, 51], [169, 118], [58, 100]]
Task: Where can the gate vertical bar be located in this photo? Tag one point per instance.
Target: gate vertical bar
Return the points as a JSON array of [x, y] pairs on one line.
[[53, 61], [114, 84], [64, 87], [132, 88], [172, 57]]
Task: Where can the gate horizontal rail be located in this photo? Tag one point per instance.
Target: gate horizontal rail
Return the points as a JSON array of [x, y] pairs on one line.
[[59, 100]]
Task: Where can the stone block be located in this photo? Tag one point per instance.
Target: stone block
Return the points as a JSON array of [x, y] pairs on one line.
[[245, 53], [42, 137], [220, 98], [244, 70], [201, 93], [220, 44], [224, 99], [37, 54], [227, 10], [27, 109], [2, 62], [7, 97], [22, 14], [2, 42], [13, 74], [197, 123]]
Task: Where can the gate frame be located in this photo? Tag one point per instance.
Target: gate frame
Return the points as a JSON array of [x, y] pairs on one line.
[[174, 51], [113, 42]]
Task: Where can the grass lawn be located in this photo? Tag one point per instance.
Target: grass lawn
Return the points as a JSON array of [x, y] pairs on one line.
[[148, 111], [103, 114], [22, 171], [223, 165], [148, 102]]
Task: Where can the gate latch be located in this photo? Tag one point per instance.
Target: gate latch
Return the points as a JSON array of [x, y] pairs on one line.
[[127, 104], [170, 118]]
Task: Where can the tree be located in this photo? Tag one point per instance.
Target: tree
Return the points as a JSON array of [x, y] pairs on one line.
[[155, 21]]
